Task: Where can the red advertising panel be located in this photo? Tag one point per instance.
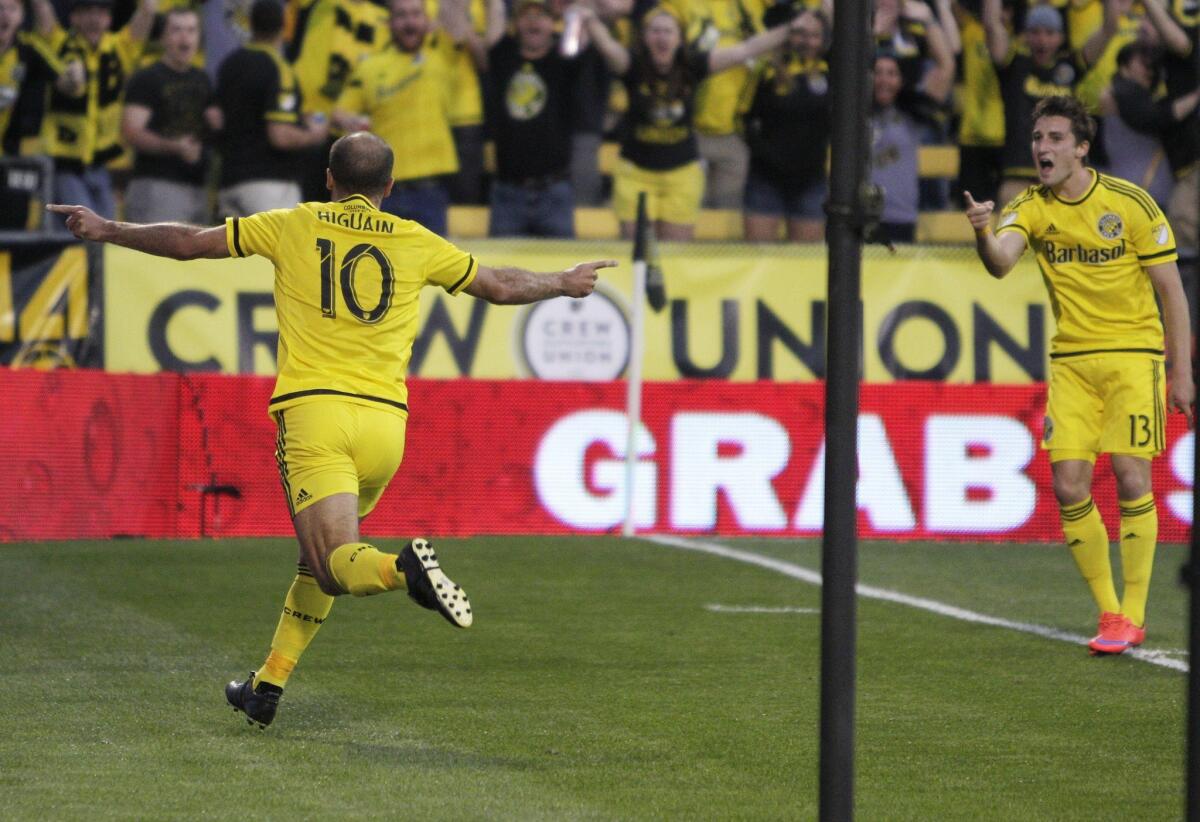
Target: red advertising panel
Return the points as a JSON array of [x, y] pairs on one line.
[[89, 454]]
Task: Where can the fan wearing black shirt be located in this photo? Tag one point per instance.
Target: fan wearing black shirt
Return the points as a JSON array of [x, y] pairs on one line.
[[264, 133], [528, 102], [659, 153], [169, 108]]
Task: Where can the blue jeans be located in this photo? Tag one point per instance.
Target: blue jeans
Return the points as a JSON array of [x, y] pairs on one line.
[[520, 211], [91, 188], [424, 201]]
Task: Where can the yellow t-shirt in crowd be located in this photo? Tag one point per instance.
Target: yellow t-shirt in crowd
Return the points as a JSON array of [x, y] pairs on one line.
[[335, 36], [408, 98]]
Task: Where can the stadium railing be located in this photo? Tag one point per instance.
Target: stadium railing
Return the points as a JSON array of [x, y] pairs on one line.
[[32, 176]]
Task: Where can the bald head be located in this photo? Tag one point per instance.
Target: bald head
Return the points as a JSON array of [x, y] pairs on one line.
[[361, 163]]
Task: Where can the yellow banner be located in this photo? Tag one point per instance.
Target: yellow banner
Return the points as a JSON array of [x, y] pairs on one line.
[[734, 311]]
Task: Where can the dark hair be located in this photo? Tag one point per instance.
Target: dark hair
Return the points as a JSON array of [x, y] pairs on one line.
[[1149, 55], [266, 18], [679, 80], [179, 11], [361, 163], [1063, 105]]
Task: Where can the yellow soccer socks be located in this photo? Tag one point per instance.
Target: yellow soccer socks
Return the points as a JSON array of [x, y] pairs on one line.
[[1139, 536], [1088, 540], [363, 569], [304, 610]]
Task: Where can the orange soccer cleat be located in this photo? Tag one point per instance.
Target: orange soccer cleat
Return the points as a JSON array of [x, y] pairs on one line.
[[1116, 635]]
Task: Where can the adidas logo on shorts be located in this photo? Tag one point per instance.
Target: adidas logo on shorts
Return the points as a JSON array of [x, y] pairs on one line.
[[303, 496]]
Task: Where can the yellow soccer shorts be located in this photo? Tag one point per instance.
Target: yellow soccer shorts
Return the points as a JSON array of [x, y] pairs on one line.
[[1105, 404], [327, 447], [671, 196]]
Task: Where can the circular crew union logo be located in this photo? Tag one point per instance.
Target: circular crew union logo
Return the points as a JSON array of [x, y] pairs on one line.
[[575, 339], [1110, 226]]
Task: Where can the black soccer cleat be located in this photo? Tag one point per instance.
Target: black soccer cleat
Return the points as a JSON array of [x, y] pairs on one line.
[[258, 704], [429, 587]]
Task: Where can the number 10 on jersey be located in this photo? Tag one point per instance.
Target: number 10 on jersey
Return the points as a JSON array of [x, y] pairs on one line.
[[327, 252]]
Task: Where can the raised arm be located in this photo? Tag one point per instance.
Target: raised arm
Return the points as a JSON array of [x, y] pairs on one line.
[[938, 81], [497, 22], [1173, 36], [1114, 10], [45, 20], [516, 286], [998, 38], [174, 240], [1181, 391], [616, 57], [455, 19], [999, 254], [949, 24], [142, 21]]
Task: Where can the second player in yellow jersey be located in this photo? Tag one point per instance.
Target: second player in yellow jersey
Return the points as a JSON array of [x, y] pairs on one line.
[[1105, 251]]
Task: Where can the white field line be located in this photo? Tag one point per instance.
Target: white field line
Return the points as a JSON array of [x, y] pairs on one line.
[[789, 569], [758, 609]]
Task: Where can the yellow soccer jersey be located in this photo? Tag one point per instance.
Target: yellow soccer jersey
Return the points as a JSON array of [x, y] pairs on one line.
[[28, 57], [408, 97], [86, 129], [982, 109], [1092, 253], [347, 280], [335, 36]]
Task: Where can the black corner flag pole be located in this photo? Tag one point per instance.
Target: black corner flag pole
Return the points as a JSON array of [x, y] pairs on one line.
[[850, 62]]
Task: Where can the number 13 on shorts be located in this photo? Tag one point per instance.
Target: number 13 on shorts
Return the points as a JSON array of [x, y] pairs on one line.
[[1111, 403]]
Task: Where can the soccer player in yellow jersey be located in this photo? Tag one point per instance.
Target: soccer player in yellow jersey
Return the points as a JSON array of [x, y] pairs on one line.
[[1104, 250], [347, 281]]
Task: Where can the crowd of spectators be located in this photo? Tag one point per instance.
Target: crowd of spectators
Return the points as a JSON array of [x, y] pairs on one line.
[[195, 109]]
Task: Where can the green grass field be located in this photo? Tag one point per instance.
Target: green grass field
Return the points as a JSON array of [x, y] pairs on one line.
[[596, 683]]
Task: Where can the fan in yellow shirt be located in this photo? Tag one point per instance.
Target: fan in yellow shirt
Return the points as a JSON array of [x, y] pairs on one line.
[[404, 94], [347, 280], [1104, 250]]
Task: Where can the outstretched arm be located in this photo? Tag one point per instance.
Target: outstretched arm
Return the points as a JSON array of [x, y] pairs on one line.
[[1181, 391], [729, 56], [999, 254], [174, 240], [516, 286]]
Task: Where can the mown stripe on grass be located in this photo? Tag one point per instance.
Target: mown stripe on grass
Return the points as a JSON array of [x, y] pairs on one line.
[[871, 592]]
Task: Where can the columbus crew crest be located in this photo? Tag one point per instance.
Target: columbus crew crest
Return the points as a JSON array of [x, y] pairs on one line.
[[525, 96], [1110, 226]]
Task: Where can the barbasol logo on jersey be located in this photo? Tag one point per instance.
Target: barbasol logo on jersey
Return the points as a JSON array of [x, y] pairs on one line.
[[1057, 254]]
